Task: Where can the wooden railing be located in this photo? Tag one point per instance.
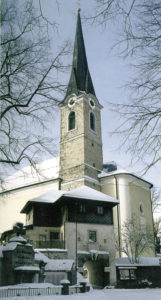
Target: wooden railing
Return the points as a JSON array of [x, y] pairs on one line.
[[49, 244], [15, 292]]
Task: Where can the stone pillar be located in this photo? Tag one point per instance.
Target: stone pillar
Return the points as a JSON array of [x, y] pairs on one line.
[[83, 288], [65, 286]]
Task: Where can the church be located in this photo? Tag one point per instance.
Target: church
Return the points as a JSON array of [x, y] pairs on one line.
[[78, 203]]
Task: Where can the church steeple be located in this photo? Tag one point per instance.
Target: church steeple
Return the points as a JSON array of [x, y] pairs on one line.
[[80, 79], [80, 137]]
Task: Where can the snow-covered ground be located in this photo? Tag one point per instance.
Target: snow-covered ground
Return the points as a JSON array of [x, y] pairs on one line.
[[110, 294]]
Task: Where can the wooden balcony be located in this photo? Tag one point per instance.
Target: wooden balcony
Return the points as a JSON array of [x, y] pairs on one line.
[[60, 244]]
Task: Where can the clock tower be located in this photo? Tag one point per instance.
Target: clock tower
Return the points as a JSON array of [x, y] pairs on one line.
[[80, 137]]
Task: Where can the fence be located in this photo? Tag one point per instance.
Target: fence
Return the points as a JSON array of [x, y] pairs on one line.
[[9, 292], [49, 244]]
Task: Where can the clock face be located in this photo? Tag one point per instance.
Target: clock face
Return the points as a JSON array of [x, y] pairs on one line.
[[92, 103], [71, 102]]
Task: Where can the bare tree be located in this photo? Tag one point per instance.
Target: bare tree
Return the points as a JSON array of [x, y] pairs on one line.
[[156, 204], [157, 234], [30, 83], [134, 240], [138, 24], [156, 200]]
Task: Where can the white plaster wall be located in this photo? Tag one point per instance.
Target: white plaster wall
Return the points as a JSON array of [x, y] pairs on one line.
[[124, 197], [132, 192], [11, 203], [105, 241]]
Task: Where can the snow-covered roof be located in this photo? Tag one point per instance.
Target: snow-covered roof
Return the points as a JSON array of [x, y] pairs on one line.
[[93, 251], [83, 192], [14, 241], [59, 265], [142, 261], [123, 172], [41, 257], [46, 170], [120, 171], [48, 197], [51, 250], [11, 246], [83, 252], [18, 239]]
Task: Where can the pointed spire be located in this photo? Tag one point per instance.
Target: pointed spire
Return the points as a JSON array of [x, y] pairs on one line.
[[80, 79]]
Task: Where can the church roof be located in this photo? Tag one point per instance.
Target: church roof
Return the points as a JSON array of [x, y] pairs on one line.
[[49, 170], [80, 79], [122, 172], [44, 171]]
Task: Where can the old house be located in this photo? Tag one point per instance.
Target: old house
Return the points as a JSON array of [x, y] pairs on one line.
[[80, 220]]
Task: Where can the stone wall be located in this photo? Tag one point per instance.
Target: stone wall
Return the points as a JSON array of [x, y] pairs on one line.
[[81, 147], [105, 242]]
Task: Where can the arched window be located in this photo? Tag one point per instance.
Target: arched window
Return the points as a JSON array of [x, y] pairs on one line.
[[92, 121], [141, 209], [71, 120]]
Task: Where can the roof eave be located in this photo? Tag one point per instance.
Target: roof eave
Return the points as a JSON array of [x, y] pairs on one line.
[[129, 174]]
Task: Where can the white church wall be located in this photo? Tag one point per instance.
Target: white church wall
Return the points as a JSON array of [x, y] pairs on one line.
[[124, 197], [140, 198], [12, 202], [108, 186], [131, 192]]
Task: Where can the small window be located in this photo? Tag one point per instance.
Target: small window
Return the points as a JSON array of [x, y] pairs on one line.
[[54, 235], [28, 217], [71, 120], [71, 102], [42, 237], [92, 104], [132, 274], [92, 121], [141, 209], [127, 274], [92, 236], [82, 208], [124, 274], [100, 210]]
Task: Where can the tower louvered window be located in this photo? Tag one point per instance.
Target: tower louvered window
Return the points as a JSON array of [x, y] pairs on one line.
[[92, 121], [71, 120]]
